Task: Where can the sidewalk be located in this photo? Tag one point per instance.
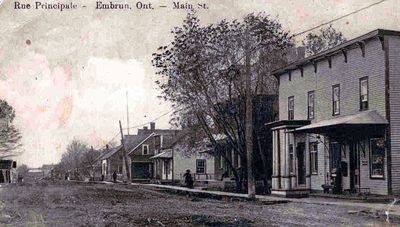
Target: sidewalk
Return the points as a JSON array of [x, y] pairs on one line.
[[380, 209]]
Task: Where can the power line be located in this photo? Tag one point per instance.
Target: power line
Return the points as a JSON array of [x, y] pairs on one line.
[[155, 119], [339, 18]]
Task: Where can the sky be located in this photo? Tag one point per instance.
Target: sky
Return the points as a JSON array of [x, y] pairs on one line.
[[67, 73]]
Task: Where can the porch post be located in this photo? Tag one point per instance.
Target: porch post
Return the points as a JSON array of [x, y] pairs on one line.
[[273, 182], [294, 163], [286, 161], [308, 165]]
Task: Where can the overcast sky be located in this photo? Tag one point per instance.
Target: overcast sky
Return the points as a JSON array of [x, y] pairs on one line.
[[67, 73]]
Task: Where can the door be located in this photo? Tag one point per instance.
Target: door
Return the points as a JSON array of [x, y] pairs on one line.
[[301, 164], [141, 170], [336, 166], [354, 167]]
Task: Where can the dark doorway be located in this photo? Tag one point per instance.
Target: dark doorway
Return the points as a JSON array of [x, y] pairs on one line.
[[141, 170], [2, 180], [336, 166], [354, 167], [301, 163]]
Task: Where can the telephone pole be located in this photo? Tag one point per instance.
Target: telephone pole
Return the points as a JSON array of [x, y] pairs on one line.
[[251, 186], [124, 156]]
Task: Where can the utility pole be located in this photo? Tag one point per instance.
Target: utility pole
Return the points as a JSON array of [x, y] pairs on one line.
[[251, 183], [125, 158], [127, 112]]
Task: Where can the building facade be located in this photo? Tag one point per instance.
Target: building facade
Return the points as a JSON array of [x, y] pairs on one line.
[[339, 119]]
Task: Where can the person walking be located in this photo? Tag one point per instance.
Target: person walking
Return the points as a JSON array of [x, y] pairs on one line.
[[188, 179], [114, 177]]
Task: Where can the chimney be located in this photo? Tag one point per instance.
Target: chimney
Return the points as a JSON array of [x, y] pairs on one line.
[[152, 126], [145, 128]]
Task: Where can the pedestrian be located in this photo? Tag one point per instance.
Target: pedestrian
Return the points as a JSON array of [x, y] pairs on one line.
[[102, 177], [188, 179], [114, 176]]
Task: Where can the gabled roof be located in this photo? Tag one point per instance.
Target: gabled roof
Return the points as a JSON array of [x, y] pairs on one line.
[[334, 50], [137, 141], [110, 153]]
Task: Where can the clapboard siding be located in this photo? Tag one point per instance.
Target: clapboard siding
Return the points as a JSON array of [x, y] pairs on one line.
[[394, 99], [372, 65], [345, 74]]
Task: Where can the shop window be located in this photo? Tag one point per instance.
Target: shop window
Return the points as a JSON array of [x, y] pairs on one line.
[[364, 93], [377, 158], [291, 108], [314, 157], [200, 166]]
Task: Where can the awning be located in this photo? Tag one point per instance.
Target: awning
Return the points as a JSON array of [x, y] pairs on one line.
[[365, 120], [163, 155]]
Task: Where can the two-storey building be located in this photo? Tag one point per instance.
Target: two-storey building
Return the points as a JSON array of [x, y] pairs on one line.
[[339, 119]]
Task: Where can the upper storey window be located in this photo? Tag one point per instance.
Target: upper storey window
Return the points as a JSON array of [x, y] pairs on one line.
[[311, 97], [291, 108], [336, 99], [364, 93]]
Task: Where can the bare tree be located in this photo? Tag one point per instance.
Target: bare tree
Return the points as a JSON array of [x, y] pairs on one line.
[[196, 75], [73, 159], [324, 39]]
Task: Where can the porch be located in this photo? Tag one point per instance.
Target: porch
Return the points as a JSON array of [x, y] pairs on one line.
[[345, 155]]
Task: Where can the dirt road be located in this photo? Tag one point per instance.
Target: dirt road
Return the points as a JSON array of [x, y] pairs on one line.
[[72, 204]]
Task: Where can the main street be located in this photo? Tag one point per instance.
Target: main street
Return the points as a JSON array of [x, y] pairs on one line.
[[47, 203]]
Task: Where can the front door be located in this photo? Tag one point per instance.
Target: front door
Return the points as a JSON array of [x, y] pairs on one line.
[[354, 167], [301, 163], [336, 166]]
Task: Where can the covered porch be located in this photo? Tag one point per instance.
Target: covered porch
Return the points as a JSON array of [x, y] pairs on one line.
[[344, 154], [163, 169], [354, 151]]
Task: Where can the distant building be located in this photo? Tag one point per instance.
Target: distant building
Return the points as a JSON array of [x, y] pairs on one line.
[[172, 162], [8, 172]]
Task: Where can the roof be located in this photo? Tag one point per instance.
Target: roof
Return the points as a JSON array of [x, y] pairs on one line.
[[110, 153], [334, 50], [136, 141], [367, 118], [163, 155], [287, 123]]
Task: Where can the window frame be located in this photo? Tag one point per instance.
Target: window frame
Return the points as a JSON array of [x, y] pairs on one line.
[[310, 145], [313, 105], [360, 94], [334, 113], [377, 177], [204, 167], [290, 111], [143, 146]]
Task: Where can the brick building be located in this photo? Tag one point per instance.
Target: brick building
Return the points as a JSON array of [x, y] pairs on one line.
[[339, 119]]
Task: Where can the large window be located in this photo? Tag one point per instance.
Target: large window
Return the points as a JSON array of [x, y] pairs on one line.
[[336, 99], [364, 93], [201, 166], [310, 104], [377, 157], [314, 157], [291, 108]]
